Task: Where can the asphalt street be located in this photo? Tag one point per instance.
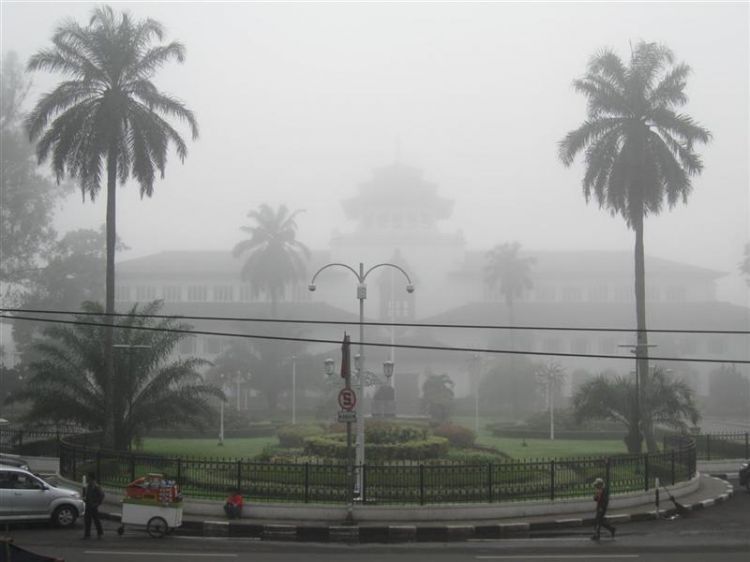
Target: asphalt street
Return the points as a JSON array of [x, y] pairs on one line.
[[720, 533]]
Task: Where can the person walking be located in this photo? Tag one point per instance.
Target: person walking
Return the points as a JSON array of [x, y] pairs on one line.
[[93, 496], [601, 497]]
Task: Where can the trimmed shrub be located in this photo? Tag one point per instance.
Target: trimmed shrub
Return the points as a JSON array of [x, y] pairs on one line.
[[457, 435], [293, 436], [334, 447]]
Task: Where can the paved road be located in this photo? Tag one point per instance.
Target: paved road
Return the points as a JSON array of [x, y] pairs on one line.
[[720, 533]]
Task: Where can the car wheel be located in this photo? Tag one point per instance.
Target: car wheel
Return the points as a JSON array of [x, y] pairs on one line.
[[65, 516]]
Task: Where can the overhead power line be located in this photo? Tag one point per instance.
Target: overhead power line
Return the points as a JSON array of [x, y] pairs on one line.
[[369, 323], [194, 332]]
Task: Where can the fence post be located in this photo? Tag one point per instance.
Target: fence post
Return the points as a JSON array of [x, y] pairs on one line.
[[608, 473], [645, 472], [179, 472], [98, 466], [307, 482], [421, 484], [552, 479], [489, 482], [363, 491], [239, 474], [20, 442], [673, 475], [708, 446], [132, 467], [747, 445]]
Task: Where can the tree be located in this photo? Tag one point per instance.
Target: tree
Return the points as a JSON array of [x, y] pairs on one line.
[[664, 401], [639, 151], [728, 392], [510, 387], [108, 114], [745, 264], [276, 256], [437, 397], [27, 199], [509, 272], [68, 380], [266, 366]]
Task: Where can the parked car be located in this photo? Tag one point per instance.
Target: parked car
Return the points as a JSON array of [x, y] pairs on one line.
[[14, 460], [745, 475], [26, 497]]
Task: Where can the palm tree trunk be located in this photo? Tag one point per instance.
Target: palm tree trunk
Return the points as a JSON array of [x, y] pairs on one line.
[[641, 350], [109, 436]]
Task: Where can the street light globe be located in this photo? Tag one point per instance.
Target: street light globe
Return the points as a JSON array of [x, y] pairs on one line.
[[410, 288], [388, 369], [311, 287]]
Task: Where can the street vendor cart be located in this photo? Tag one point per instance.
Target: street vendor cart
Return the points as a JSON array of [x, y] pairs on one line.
[[154, 502]]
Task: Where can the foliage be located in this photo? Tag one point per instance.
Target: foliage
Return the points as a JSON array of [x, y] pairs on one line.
[[745, 264], [264, 365], [506, 269], [68, 379], [276, 256], [293, 436], [437, 397], [663, 401], [728, 391], [639, 151], [74, 273], [457, 435], [510, 386], [28, 198], [334, 447]]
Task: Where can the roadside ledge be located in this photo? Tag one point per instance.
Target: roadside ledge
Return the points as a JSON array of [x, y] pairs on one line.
[[425, 532]]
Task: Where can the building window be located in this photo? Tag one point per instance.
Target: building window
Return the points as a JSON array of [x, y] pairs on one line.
[[246, 293], [653, 294], [188, 346], [398, 309], [624, 293], [544, 293], [607, 347], [579, 345], [197, 293], [572, 294], [145, 293], [600, 293], [675, 293], [223, 293], [716, 346], [122, 293], [172, 293], [551, 345]]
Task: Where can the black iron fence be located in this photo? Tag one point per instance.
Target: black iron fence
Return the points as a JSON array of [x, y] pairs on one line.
[[716, 446], [403, 482]]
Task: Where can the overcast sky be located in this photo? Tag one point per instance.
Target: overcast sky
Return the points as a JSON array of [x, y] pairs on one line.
[[298, 102]]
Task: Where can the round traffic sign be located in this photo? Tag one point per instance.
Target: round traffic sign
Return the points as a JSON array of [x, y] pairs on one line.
[[347, 399]]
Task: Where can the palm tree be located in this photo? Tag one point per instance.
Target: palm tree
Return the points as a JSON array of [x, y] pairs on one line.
[[68, 382], [508, 271], [667, 402], [276, 256], [108, 114], [639, 151]]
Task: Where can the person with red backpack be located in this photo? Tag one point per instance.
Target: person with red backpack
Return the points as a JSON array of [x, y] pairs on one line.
[[601, 497]]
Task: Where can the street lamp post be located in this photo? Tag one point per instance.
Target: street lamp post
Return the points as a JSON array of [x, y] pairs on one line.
[[294, 390], [550, 376], [361, 276]]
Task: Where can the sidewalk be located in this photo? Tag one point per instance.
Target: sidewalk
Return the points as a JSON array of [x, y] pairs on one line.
[[710, 491]]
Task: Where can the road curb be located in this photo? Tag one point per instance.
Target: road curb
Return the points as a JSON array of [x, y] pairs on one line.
[[406, 533]]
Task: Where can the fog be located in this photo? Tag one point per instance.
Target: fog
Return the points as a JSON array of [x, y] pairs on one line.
[[298, 103]]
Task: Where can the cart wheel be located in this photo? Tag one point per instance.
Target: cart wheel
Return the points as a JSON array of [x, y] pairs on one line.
[[157, 527], [120, 530]]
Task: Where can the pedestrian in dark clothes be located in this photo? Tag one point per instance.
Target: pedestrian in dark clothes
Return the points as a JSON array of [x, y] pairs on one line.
[[601, 497], [93, 496]]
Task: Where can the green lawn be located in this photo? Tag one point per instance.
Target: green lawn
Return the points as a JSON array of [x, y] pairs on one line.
[[559, 448], [232, 448]]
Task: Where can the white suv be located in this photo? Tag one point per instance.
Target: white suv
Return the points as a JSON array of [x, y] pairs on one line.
[[26, 497]]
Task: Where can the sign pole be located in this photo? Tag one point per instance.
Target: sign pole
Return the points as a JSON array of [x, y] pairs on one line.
[[346, 373]]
